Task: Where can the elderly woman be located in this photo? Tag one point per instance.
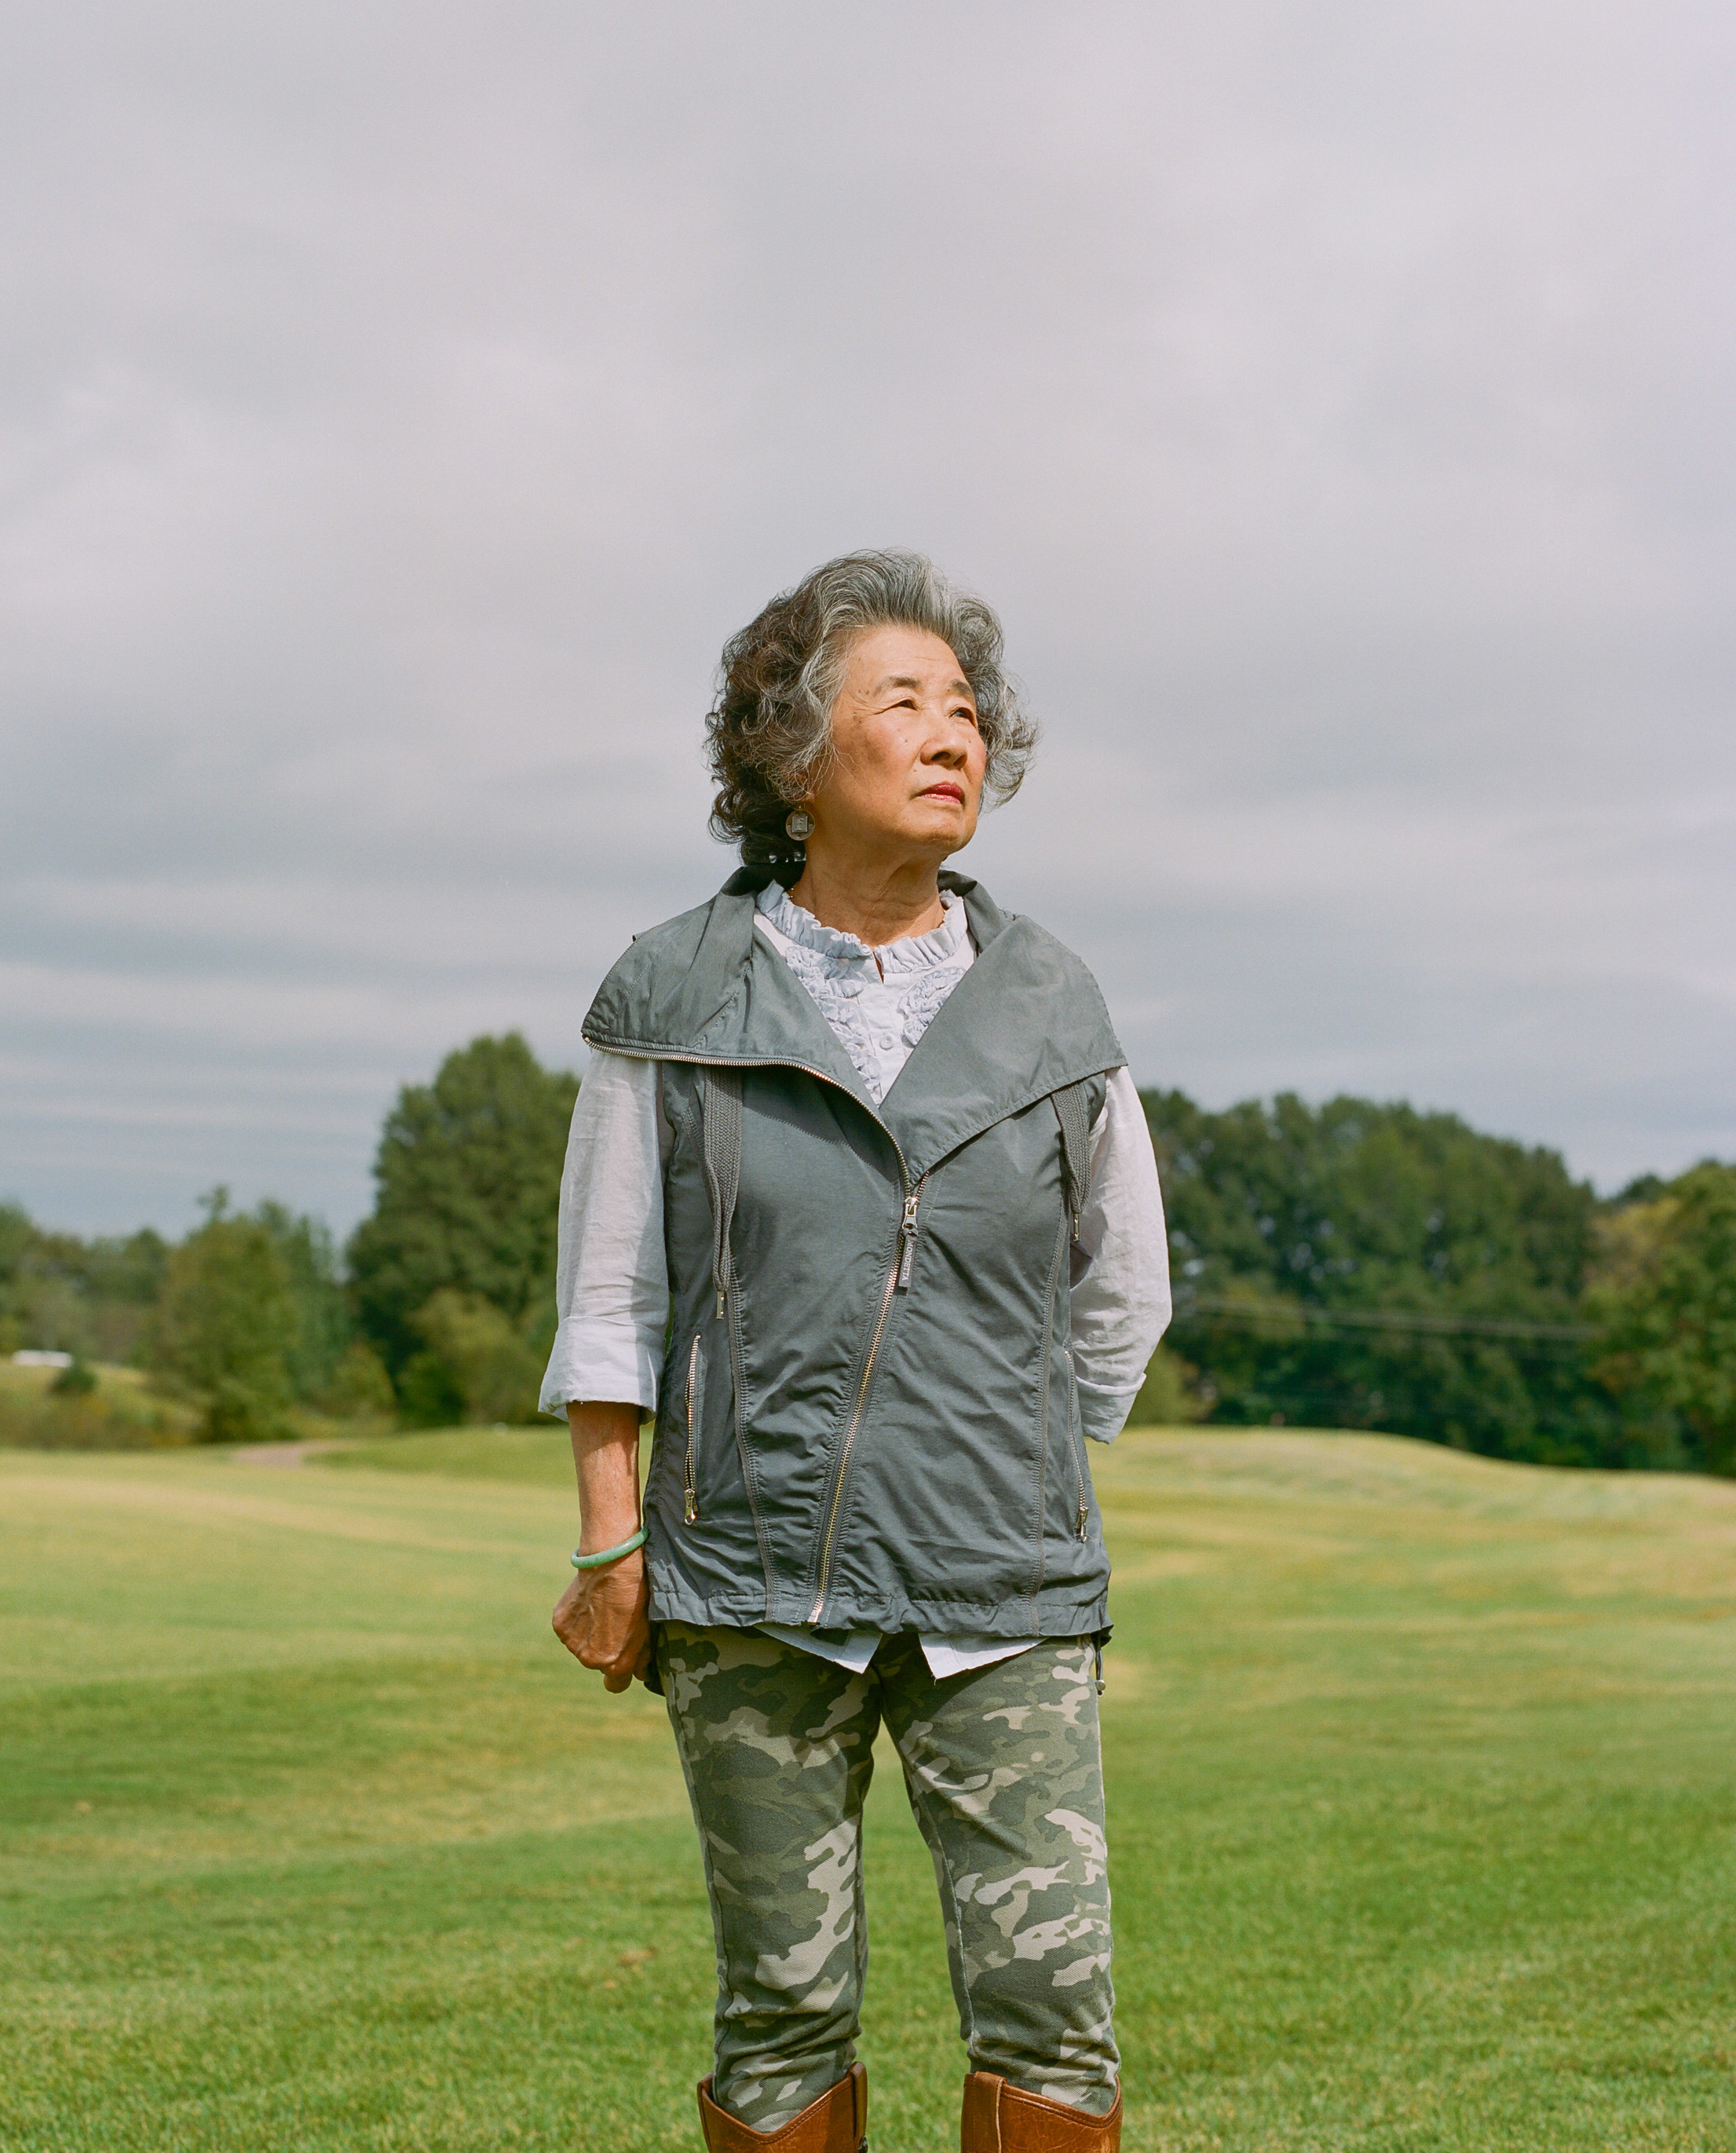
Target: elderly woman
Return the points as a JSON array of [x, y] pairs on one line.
[[860, 1205]]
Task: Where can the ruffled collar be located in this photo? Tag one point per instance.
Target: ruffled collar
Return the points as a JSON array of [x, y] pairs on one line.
[[914, 953]]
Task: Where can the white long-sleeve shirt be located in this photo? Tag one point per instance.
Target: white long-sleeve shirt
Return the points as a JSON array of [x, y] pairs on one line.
[[611, 1282]]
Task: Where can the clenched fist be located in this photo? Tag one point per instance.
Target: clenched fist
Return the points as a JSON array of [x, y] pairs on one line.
[[602, 1619]]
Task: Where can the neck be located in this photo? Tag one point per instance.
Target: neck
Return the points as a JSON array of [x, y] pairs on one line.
[[875, 901]]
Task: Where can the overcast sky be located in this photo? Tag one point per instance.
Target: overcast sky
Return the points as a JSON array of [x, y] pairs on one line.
[[399, 405]]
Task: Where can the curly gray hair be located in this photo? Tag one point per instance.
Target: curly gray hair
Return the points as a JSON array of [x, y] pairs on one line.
[[769, 732]]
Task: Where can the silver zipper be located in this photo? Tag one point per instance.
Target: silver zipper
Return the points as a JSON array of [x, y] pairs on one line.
[[899, 1275], [907, 1236], [691, 1505], [1077, 1443]]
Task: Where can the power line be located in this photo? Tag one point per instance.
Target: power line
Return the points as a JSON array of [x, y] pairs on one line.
[[1249, 1313]]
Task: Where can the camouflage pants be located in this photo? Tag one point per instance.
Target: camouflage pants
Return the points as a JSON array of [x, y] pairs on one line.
[[1003, 1773]]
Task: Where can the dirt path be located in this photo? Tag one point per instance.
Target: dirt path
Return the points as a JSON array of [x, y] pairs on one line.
[[284, 1453]]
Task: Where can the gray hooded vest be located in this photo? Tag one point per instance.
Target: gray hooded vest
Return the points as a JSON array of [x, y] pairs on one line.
[[867, 1416]]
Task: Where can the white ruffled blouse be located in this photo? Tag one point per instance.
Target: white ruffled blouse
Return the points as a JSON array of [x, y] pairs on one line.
[[878, 1002]]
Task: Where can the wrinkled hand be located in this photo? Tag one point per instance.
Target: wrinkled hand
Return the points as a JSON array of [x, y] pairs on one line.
[[603, 1619]]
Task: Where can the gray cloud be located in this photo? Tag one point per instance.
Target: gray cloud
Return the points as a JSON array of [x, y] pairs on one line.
[[399, 406]]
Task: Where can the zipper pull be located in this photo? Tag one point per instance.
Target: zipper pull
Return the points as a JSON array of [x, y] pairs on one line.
[[907, 1233], [691, 1493], [719, 1301], [1083, 1520]]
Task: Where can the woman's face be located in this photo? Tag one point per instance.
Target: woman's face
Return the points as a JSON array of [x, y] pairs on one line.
[[907, 774]]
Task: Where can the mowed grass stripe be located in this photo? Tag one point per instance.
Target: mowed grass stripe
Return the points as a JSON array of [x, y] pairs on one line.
[[124, 1568], [1420, 1775]]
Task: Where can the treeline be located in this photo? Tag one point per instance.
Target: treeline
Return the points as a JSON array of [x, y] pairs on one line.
[[440, 1309], [241, 1322], [1364, 1265], [1352, 1265]]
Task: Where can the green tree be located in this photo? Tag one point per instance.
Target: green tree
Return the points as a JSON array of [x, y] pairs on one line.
[[123, 1276], [42, 1298], [85, 1297], [1663, 1293], [324, 1326], [468, 1175], [1359, 1206], [226, 1325], [16, 1233]]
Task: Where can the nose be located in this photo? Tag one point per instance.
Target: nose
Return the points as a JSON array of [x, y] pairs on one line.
[[950, 746]]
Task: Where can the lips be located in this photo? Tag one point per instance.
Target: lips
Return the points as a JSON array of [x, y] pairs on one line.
[[953, 792]]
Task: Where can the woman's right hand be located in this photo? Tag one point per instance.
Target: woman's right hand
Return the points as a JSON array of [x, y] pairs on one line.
[[602, 1618]]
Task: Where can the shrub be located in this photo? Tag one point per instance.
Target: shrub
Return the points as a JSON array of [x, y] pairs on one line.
[[359, 1388], [1170, 1396], [94, 1420], [497, 1371]]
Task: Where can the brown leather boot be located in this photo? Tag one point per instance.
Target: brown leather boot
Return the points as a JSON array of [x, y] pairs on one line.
[[998, 2118], [836, 2123]]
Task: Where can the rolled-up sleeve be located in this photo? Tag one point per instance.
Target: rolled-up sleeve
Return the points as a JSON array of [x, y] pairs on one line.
[[612, 1277], [1120, 1266]]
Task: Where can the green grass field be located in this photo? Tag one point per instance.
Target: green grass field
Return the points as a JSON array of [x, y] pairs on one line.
[[1423, 1784]]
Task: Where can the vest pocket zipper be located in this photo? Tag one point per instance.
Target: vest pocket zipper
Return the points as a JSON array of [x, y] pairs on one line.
[[1076, 1441], [690, 1496]]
